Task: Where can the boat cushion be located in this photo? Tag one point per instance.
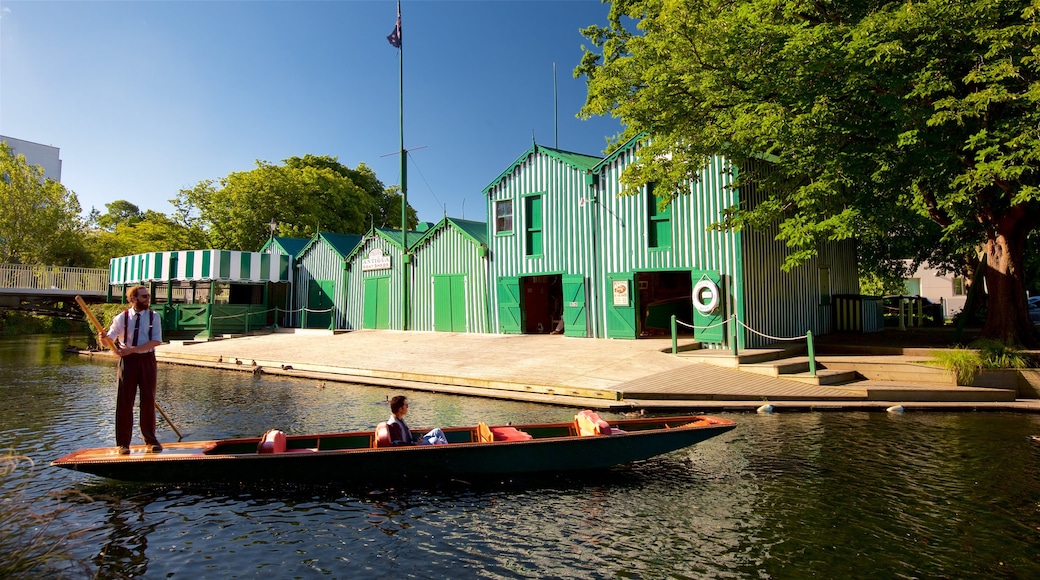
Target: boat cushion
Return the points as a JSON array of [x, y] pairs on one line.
[[273, 441], [510, 434], [588, 423], [381, 437], [484, 434]]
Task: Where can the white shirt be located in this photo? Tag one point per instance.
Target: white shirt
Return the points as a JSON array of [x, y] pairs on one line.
[[115, 332]]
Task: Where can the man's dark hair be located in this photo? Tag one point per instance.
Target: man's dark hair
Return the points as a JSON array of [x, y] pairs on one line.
[[396, 403]]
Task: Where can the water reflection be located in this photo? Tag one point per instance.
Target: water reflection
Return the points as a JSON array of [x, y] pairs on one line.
[[783, 496]]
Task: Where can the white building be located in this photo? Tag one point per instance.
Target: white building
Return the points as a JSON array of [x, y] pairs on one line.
[[36, 154], [947, 289]]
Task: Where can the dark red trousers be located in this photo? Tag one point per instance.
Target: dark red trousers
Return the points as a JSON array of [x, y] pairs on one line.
[[136, 370]]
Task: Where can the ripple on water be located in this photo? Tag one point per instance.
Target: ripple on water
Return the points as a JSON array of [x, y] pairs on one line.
[[788, 495]]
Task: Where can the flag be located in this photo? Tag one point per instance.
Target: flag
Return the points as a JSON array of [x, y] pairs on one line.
[[395, 36]]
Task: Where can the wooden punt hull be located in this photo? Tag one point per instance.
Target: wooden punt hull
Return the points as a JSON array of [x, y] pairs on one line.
[[351, 458]]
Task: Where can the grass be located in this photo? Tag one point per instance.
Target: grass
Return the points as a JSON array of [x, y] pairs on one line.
[[34, 543], [967, 363]]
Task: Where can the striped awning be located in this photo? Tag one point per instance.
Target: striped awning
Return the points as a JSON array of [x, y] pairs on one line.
[[200, 265]]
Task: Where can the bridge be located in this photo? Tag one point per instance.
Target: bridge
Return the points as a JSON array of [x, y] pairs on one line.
[[50, 290]]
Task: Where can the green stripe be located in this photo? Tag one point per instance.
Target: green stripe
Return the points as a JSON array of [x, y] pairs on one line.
[[265, 267], [225, 265], [246, 260], [189, 265]]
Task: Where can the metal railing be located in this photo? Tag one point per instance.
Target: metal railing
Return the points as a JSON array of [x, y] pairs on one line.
[[49, 278], [735, 324]]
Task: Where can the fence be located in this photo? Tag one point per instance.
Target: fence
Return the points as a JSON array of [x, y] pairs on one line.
[[51, 278]]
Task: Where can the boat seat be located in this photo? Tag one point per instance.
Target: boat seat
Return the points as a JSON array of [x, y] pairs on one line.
[[510, 434], [381, 437], [484, 434], [588, 424], [273, 441]]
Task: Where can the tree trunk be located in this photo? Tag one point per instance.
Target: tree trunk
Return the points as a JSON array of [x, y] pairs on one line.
[[1007, 314]]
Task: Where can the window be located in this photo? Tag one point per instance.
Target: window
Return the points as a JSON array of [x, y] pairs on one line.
[[659, 222], [504, 216], [959, 286], [533, 224]]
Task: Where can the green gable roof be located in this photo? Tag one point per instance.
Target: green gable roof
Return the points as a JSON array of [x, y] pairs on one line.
[[630, 144], [290, 246], [395, 237], [578, 161], [342, 244], [475, 231]]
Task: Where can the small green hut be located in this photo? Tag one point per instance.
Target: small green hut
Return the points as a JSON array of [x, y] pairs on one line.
[[450, 265], [321, 283]]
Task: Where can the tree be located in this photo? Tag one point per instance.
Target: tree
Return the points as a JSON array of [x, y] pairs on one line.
[[304, 196], [39, 218], [119, 212], [874, 114], [151, 231]]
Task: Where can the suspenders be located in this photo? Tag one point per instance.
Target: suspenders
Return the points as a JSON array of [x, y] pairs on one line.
[[126, 326]]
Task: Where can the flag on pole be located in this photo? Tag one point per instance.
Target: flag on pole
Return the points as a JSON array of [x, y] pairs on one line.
[[395, 36]]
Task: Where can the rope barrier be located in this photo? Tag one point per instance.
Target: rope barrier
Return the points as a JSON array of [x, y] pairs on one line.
[[807, 336], [770, 337]]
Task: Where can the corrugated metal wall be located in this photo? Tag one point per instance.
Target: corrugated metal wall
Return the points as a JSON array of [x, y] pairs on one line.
[[567, 239], [787, 304], [624, 221], [449, 251], [320, 262], [355, 301]]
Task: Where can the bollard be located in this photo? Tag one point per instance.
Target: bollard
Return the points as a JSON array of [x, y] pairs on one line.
[[733, 322], [675, 338], [276, 311], [812, 353]]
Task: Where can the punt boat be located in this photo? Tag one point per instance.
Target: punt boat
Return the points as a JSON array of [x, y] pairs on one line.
[[365, 457]]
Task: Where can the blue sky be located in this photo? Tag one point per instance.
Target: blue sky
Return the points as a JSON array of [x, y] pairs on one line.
[[147, 98]]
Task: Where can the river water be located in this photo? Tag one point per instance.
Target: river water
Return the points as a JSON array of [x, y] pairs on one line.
[[790, 495]]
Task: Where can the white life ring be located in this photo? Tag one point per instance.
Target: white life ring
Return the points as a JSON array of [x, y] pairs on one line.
[[705, 288]]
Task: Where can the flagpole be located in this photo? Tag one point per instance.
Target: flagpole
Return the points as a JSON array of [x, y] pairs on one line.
[[396, 39]]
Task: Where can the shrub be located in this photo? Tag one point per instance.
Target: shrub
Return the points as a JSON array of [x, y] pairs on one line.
[[968, 362]]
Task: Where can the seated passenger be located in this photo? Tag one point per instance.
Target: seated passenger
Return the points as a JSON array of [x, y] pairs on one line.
[[401, 434]]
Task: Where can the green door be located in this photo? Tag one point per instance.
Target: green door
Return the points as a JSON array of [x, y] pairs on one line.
[[377, 303], [621, 309], [319, 303], [510, 315], [449, 303], [575, 317], [708, 306]]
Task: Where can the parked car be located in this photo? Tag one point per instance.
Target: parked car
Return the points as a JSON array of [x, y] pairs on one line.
[[1034, 309], [933, 312]]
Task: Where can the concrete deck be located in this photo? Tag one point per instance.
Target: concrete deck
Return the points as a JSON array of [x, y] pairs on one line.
[[604, 374]]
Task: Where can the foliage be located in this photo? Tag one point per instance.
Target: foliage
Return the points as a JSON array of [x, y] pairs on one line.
[[967, 363], [876, 116], [13, 323], [39, 218], [150, 231], [33, 541], [304, 196], [119, 212]]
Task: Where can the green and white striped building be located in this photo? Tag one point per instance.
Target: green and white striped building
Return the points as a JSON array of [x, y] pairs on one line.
[[374, 271], [204, 292], [450, 268], [321, 283], [565, 243]]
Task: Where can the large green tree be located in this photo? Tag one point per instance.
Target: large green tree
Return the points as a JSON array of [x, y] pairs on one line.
[[874, 113], [39, 218], [125, 230], [305, 195]]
